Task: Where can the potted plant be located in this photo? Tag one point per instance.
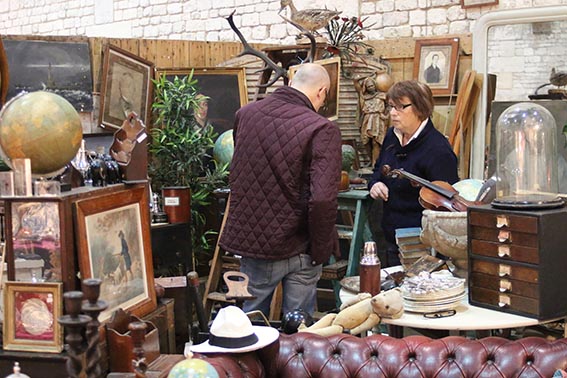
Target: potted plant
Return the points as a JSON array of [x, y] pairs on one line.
[[180, 158]]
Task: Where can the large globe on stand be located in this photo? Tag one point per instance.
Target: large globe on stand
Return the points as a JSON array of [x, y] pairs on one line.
[[43, 127], [224, 147]]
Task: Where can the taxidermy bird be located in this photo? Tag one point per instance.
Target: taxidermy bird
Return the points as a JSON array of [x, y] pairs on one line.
[[558, 78], [308, 19]]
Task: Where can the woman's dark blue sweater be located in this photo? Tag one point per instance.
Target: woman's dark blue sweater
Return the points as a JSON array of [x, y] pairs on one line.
[[429, 156]]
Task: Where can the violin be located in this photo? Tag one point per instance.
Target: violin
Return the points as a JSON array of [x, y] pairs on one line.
[[433, 195]]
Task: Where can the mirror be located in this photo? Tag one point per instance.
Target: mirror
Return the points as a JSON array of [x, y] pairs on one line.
[[519, 76]]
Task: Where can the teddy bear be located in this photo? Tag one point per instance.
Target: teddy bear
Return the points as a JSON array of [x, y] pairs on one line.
[[359, 314]]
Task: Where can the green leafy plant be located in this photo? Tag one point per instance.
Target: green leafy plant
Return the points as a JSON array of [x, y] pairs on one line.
[[346, 38], [180, 151]]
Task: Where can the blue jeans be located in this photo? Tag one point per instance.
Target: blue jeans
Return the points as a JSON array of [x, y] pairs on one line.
[[299, 280]]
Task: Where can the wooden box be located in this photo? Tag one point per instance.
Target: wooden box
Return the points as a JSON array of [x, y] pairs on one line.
[[517, 261]]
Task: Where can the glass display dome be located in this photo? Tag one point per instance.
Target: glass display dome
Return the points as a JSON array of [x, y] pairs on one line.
[[526, 158]]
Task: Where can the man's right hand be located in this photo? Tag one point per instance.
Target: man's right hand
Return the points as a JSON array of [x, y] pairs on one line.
[[379, 190]]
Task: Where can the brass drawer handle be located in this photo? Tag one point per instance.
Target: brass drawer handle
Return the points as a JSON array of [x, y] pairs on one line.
[[504, 236], [502, 221], [504, 270], [505, 286], [503, 251], [503, 301]]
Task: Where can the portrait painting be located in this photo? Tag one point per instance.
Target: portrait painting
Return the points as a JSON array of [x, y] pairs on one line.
[[435, 64], [225, 88], [330, 108], [63, 68], [31, 311], [115, 248], [126, 87]]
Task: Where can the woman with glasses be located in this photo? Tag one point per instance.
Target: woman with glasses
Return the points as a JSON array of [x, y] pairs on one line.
[[416, 146]]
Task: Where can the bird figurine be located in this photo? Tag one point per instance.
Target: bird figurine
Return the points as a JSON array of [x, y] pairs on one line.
[[308, 19], [558, 78]]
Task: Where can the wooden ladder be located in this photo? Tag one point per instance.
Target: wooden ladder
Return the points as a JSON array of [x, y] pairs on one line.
[[353, 207]]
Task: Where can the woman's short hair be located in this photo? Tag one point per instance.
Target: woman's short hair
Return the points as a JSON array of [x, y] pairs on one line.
[[418, 93]]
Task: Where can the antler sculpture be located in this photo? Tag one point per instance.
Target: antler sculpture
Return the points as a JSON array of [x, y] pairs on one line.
[[269, 64]]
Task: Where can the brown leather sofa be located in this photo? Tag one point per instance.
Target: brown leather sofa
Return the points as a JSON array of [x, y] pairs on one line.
[[378, 356]]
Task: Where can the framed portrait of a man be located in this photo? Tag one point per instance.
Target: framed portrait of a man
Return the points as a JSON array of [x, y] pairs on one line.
[[435, 64]]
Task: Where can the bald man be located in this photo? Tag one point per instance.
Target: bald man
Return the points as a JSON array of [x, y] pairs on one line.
[[284, 177]]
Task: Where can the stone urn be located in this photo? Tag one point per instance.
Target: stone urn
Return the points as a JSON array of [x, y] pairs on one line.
[[446, 232]]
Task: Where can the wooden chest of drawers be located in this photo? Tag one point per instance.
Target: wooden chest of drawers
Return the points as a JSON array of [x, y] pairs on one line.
[[518, 261]]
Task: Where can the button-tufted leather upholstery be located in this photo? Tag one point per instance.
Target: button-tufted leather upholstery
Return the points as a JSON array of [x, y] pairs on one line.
[[306, 355]]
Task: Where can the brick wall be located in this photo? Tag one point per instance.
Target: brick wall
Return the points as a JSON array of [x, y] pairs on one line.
[[257, 19]]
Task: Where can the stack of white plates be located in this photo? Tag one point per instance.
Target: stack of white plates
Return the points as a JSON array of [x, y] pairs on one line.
[[432, 292]]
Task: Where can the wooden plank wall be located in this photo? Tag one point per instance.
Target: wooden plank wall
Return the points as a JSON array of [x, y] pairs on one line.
[[179, 53]]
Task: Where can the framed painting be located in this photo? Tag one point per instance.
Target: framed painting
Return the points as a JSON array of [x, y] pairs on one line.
[[330, 108], [113, 233], [38, 248], [31, 311], [435, 64], [224, 86], [477, 3], [60, 67], [3, 74], [126, 87]]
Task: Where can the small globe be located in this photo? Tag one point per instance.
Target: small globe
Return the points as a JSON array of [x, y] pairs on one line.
[[192, 368], [468, 188], [43, 127], [348, 155], [224, 148]]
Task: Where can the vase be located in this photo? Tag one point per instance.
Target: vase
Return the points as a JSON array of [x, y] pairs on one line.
[[177, 203], [345, 182]]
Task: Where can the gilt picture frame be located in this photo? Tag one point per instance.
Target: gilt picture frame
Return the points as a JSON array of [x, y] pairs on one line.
[[114, 245], [330, 108], [31, 311], [224, 86], [435, 64], [126, 87]]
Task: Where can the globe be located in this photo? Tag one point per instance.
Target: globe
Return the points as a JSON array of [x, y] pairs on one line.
[[348, 155], [224, 148], [192, 368], [468, 188], [43, 127]]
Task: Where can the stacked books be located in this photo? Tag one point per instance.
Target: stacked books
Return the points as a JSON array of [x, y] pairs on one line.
[[410, 246]]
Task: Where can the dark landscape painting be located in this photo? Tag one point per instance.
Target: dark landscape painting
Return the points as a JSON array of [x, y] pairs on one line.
[[63, 68]]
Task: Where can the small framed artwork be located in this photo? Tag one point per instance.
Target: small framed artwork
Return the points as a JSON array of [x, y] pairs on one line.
[[477, 3], [126, 87], [113, 233], [224, 86], [31, 311], [330, 108], [35, 238], [435, 64], [6, 183]]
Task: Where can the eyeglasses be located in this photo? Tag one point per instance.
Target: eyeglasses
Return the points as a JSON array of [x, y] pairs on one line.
[[439, 314], [398, 108]]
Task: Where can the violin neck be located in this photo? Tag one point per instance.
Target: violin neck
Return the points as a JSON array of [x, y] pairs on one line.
[[428, 184]]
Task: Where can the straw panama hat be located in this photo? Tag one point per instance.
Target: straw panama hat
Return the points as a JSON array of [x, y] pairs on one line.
[[232, 332]]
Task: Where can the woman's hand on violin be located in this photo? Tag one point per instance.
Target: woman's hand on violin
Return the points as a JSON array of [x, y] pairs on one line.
[[379, 190]]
